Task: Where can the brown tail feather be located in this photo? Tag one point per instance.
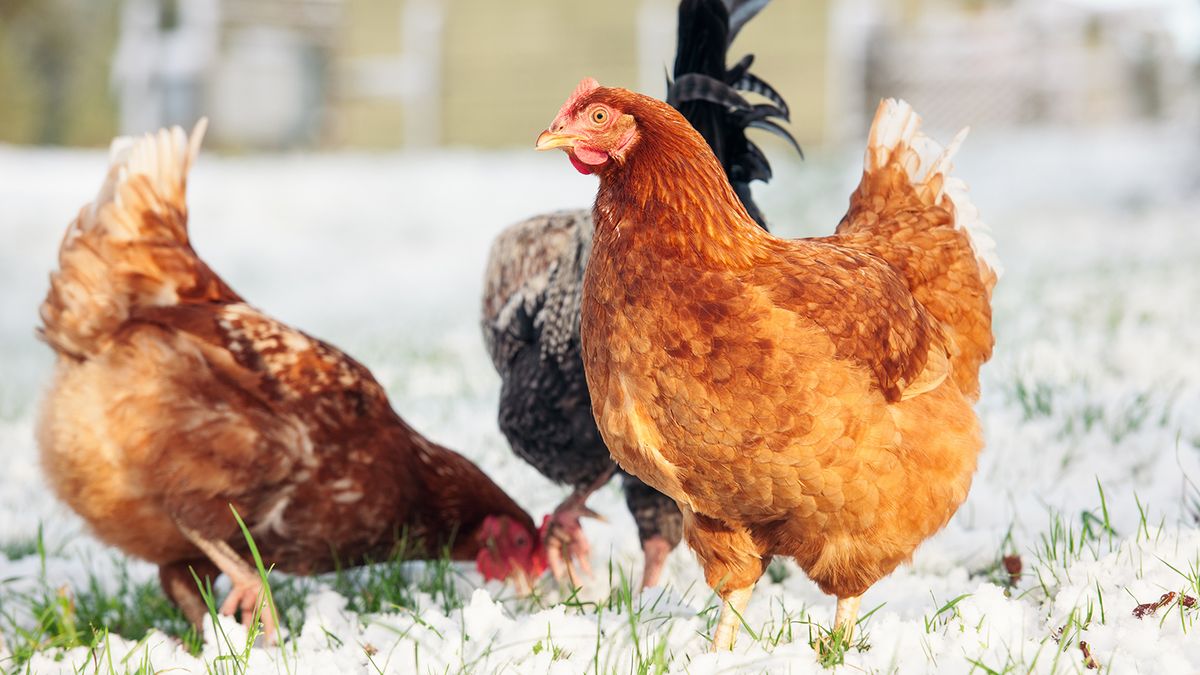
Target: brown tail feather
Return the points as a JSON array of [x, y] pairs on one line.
[[912, 212], [129, 247]]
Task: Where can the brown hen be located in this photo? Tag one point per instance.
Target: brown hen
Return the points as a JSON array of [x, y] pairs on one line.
[[173, 400], [808, 398]]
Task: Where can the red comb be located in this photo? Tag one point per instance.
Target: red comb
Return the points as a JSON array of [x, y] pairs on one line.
[[586, 86]]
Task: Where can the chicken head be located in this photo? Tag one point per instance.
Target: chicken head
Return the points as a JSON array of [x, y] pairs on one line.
[[592, 133], [507, 549]]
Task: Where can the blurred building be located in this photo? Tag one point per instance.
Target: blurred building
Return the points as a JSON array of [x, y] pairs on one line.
[[276, 74], [54, 71], [391, 73], [1019, 62], [486, 73], [258, 68]]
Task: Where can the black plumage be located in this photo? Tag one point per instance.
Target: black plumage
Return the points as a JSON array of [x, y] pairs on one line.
[[534, 281], [706, 92], [545, 408]]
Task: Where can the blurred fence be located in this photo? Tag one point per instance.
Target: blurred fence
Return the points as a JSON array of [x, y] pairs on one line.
[[277, 74], [1036, 63]]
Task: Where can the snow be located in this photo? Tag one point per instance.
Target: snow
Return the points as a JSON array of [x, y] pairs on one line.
[[1094, 382]]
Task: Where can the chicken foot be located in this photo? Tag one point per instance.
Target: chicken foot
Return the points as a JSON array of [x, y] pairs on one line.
[[730, 621], [180, 586], [564, 536], [248, 593], [844, 621], [846, 616]]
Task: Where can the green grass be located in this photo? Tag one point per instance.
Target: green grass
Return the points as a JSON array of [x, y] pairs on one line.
[[634, 631], [1078, 410], [19, 548], [47, 618], [1007, 568], [832, 646]]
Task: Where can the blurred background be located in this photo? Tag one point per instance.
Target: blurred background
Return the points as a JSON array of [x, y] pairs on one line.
[[385, 74], [367, 152]]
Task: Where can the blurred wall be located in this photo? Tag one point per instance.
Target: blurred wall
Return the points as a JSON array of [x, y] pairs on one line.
[[54, 71], [510, 65], [358, 73], [487, 73], [369, 95], [279, 74], [1009, 63]]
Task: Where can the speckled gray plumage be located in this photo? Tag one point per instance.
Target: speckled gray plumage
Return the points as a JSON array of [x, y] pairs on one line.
[[654, 512], [532, 333]]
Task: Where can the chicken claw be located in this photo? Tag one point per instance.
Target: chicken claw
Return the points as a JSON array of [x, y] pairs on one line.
[[248, 595], [564, 536], [179, 583], [566, 542]]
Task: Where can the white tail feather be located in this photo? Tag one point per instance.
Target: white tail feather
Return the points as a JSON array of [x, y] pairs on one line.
[[897, 127], [103, 270], [165, 157]]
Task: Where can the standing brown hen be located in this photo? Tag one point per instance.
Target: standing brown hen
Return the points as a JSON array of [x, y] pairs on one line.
[[173, 400], [534, 283], [809, 398]]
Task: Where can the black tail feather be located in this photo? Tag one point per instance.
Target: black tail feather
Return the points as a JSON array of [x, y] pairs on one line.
[[739, 69], [740, 13], [773, 127], [703, 38], [696, 87], [751, 83], [752, 166], [706, 92]]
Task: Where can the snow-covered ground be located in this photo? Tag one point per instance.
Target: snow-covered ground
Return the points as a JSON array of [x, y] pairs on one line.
[[1095, 384]]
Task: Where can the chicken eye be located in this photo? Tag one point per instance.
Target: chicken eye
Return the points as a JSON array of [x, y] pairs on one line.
[[599, 116]]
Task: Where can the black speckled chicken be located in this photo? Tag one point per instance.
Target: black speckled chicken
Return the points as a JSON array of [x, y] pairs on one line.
[[533, 286]]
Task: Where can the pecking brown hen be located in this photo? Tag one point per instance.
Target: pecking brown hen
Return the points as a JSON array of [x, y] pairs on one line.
[[809, 398], [173, 400]]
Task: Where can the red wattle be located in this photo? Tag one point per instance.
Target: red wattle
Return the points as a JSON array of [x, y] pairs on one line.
[[589, 155], [579, 166], [487, 567]]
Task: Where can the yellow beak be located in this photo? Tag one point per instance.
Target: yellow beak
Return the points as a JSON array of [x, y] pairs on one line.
[[548, 140], [524, 586]]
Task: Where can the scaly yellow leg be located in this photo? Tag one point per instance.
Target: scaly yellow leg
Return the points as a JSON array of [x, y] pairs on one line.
[[731, 619], [847, 615], [247, 593]]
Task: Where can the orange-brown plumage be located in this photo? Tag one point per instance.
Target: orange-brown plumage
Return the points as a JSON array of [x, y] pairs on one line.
[[174, 399], [809, 398]]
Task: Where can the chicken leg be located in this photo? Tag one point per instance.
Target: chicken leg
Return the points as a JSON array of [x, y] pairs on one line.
[[564, 536], [656, 550], [180, 586], [659, 524], [730, 621], [844, 621], [847, 616], [248, 593]]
